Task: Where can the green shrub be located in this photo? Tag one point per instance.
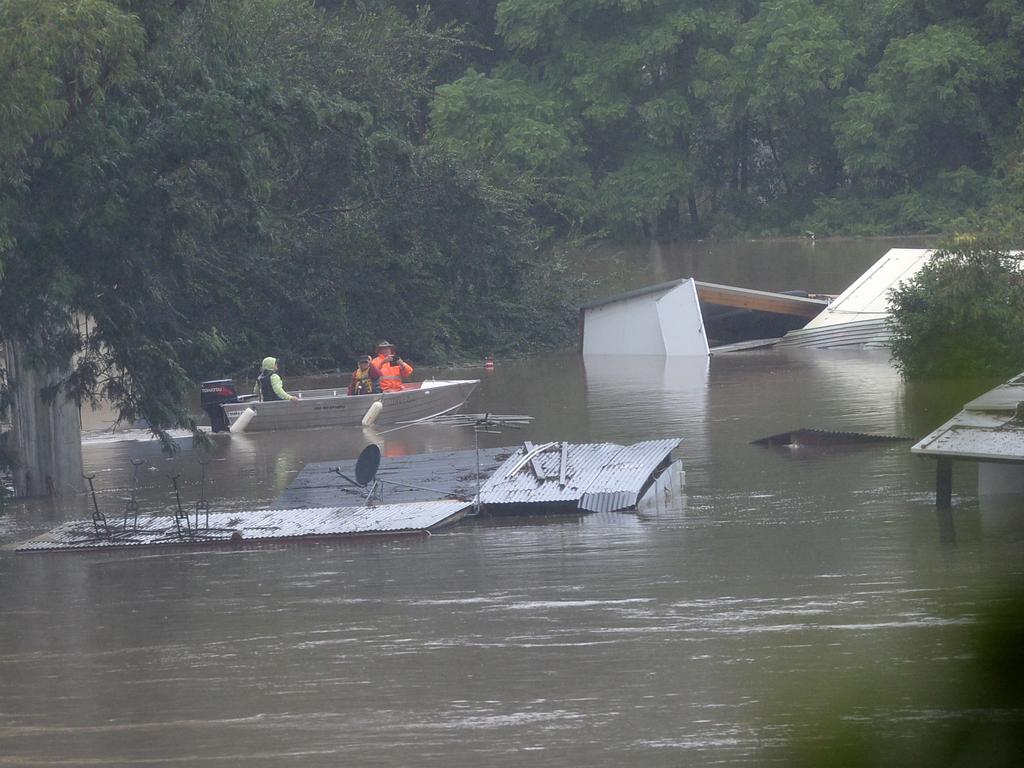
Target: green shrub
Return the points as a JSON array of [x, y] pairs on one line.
[[961, 315]]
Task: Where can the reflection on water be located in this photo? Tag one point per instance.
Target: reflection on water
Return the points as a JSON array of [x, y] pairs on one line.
[[624, 390], [698, 634], [709, 632]]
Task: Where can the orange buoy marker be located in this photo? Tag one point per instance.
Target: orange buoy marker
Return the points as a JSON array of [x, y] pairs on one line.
[[489, 364]]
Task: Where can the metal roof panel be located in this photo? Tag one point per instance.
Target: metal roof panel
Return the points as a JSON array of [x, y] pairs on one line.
[[257, 525], [600, 476]]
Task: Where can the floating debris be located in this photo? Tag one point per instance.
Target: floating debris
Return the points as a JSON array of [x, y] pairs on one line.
[[823, 438]]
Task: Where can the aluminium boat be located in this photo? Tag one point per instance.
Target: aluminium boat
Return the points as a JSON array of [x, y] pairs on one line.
[[332, 407]]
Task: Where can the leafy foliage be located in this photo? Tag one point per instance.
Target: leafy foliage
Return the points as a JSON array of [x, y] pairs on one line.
[[922, 108], [738, 116], [961, 315], [206, 183]]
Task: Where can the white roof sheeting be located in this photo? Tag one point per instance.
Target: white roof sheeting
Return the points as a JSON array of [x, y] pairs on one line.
[[258, 525], [867, 298], [984, 430]]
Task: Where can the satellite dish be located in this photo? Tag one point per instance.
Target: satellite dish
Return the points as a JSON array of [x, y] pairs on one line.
[[367, 464]]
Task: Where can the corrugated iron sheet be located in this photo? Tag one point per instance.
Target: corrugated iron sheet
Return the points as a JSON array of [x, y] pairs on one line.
[[823, 437], [258, 525], [599, 477], [867, 333]]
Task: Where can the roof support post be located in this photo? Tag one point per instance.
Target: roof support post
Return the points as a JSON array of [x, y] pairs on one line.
[[944, 483]]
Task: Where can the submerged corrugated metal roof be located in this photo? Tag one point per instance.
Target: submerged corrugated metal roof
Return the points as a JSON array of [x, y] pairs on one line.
[[865, 333], [257, 525], [600, 477]]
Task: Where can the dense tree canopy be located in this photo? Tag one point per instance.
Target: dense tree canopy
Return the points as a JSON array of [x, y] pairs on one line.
[[187, 187], [672, 118]]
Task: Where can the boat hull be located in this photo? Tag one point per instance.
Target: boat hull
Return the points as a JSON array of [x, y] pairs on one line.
[[334, 408]]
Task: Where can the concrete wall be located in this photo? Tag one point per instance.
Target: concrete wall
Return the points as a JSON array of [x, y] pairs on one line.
[[996, 479]]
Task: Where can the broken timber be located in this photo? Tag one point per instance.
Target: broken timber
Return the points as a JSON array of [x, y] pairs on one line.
[[759, 301]]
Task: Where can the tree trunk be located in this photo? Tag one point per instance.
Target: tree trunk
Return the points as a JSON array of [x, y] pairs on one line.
[[691, 204], [667, 222], [46, 434]]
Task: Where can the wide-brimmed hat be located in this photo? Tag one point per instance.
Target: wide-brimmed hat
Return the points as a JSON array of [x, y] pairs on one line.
[[384, 344]]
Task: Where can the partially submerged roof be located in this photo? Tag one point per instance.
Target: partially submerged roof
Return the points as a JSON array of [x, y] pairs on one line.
[[857, 317], [443, 475], [726, 296], [597, 477], [823, 438], [867, 298], [987, 429], [873, 332], [256, 526]]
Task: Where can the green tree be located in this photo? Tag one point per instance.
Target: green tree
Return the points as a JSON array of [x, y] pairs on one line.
[[684, 118], [255, 179], [527, 138], [922, 109], [961, 315], [773, 95]]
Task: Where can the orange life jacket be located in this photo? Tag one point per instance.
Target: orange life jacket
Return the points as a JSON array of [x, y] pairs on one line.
[[391, 375]]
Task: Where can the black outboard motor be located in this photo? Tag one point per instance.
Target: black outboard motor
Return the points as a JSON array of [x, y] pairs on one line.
[[212, 394]]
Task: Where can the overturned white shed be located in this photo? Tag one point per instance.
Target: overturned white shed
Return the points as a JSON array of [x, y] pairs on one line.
[[683, 318], [662, 319]]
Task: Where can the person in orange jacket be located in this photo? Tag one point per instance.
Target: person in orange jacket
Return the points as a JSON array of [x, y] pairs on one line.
[[392, 367]]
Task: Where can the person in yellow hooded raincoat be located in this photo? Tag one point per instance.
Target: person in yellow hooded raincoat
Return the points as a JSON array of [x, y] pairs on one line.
[[269, 385]]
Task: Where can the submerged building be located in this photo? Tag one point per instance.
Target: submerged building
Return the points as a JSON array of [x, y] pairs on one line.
[[990, 431], [690, 318]]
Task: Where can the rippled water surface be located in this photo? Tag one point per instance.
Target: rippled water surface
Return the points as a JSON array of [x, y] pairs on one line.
[[714, 633]]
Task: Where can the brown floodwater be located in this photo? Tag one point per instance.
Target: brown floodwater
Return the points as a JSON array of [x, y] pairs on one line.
[[787, 584]]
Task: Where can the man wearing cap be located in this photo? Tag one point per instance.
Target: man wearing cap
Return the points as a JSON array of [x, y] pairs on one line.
[[392, 367], [364, 378], [269, 385]]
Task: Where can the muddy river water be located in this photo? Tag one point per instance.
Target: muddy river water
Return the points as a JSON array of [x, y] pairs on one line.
[[788, 584]]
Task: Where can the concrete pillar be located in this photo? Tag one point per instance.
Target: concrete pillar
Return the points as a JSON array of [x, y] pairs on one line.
[[46, 434]]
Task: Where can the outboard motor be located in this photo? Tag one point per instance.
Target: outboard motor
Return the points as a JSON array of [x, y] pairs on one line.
[[212, 394]]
